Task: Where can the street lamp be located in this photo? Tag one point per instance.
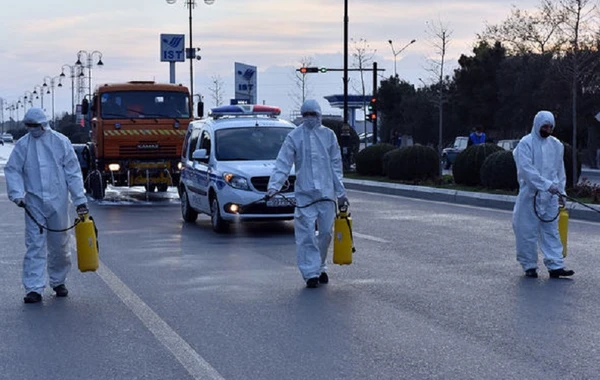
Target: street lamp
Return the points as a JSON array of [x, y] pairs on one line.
[[190, 4], [88, 65], [52, 83], [398, 52], [72, 75], [28, 97], [39, 95]]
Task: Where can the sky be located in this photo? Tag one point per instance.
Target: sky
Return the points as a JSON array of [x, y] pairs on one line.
[[40, 37]]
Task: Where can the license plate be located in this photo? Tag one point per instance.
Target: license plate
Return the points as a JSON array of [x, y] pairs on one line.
[[281, 202]]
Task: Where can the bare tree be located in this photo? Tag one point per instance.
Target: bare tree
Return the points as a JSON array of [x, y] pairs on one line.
[[363, 58], [439, 34], [216, 90], [301, 83], [523, 32], [580, 15]]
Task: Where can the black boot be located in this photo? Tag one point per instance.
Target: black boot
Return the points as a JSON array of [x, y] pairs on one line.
[[531, 273], [562, 272], [32, 297], [324, 278], [61, 290], [312, 282]]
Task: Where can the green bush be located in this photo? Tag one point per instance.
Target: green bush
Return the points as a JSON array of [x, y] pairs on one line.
[[467, 167], [568, 159], [412, 163], [499, 171], [369, 161]]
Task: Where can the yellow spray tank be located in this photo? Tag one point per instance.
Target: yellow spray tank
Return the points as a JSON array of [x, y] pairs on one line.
[[563, 228], [343, 244], [86, 235]]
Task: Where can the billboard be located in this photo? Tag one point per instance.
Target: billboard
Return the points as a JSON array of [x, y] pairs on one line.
[[245, 82]]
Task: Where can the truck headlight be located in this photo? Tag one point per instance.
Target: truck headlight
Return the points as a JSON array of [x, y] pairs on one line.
[[236, 181], [114, 167]]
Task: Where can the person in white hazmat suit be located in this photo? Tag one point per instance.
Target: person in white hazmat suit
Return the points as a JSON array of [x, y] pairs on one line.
[[542, 179], [41, 172], [314, 152]]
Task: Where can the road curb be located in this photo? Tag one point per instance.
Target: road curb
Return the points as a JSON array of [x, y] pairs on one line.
[[502, 202]]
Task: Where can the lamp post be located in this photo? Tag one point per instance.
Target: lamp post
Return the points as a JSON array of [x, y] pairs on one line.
[[28, 97], [72, 75], [51, 87], [190, 4], [396, 53], [89, 63], [39, 95]]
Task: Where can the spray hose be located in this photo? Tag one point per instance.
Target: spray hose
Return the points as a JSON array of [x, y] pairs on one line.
[[42, 227], [558, 213]]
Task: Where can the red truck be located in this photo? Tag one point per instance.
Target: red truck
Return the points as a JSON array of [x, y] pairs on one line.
[[137, 131]]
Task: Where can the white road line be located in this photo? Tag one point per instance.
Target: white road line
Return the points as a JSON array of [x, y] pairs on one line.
[[369, 237], [196, 366]]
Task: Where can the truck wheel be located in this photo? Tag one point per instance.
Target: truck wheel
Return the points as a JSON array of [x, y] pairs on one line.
[[187, 212], [162, 187], [96, 185], [218, 224]]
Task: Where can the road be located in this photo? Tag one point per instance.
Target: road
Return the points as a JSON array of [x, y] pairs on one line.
[[434, 293]]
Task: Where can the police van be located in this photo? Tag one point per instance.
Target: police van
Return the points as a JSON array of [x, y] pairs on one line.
[[227, 160]]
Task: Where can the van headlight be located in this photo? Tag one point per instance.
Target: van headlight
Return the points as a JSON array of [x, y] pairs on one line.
[[236, 181]]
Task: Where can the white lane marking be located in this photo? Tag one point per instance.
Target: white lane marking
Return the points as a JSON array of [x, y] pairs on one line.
[[196, 366], [369, 237]]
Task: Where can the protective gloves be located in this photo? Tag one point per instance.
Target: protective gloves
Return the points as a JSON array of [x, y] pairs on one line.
[[343, 201], [553, 189], [82, 209], [20, 202], [561, 201], [271, 193]]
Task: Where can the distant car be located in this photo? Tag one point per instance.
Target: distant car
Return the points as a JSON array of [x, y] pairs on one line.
[[7, 137], [449, 154], [227, 160], [509, 145]]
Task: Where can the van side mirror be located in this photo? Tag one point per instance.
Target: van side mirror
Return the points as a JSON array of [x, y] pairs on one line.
[[200, 155]]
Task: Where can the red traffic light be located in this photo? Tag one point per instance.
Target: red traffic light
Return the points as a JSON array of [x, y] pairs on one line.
[[305, 70]]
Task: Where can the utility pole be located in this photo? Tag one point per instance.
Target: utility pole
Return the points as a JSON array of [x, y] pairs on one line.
[[345, 61], [374, 96]]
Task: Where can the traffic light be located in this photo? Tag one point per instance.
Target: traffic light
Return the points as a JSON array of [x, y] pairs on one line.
[[305, 70], [372, 110]]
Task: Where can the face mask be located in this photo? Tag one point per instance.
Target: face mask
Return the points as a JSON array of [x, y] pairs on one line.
[[545, 134], [35, 131], [311, 121]]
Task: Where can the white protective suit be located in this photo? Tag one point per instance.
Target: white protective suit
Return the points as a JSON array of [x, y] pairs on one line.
[[43, 171], [540, 166], [314, 151]]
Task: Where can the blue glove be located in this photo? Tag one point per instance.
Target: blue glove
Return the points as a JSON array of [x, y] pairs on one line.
[[343, 201], [20, 202], [553, 189], [271, 193]]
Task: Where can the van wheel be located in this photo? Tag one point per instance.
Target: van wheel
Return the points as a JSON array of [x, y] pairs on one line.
[[162, 187], [187, 212], [218, 224]]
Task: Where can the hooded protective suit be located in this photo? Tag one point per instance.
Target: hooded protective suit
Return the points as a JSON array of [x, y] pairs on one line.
[[42, 171], [315, 152], [540, 167]]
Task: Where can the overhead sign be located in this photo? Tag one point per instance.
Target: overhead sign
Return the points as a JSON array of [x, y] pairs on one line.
[[172, 48]]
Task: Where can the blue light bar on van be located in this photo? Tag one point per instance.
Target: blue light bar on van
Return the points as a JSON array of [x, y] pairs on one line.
[[245, 110]]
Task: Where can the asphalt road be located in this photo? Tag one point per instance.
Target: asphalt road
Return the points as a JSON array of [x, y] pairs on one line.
[[434, 293]]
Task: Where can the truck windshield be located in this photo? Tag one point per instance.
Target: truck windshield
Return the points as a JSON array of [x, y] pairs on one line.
[[141, 104], [250, 143]]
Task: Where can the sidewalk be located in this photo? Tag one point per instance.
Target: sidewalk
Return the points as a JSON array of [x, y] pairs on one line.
[[503, 202]]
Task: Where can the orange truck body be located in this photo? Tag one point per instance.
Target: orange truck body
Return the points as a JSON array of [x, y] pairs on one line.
[[137, 132]]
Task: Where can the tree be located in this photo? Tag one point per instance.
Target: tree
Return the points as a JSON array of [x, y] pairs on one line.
[[440, 38], [216, 91], [363, 57], [301, 83]]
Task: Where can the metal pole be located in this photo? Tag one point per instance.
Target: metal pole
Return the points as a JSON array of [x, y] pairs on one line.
[[191, 4], [345, 61], [73, 94], [377, 102]]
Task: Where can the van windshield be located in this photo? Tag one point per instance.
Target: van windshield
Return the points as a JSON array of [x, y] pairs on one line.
[[141, 104], [250, 143]]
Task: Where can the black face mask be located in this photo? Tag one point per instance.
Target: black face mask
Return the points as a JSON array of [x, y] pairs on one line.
[[545, 134]]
